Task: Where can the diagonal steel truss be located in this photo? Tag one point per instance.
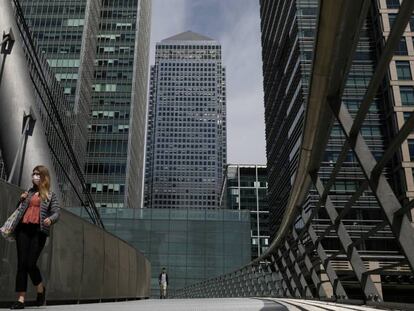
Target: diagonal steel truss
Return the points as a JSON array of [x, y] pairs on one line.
[[296, 264]]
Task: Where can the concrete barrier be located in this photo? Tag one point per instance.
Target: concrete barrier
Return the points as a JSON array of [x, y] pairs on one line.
[[80, 262]]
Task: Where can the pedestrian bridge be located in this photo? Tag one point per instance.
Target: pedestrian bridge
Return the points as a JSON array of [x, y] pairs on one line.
[[219, 304], [298, 268]]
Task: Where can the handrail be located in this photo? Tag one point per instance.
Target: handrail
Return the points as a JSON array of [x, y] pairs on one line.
[[341, 20]]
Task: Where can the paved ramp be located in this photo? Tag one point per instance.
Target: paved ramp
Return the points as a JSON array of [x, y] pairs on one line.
[[219, 304], [225, 304]]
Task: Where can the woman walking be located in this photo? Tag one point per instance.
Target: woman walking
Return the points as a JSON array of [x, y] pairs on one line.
[[39, 209]]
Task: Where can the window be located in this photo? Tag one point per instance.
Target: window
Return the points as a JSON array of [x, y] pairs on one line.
[[393, 4], [391, 18], [406, 116], [407, 95], [402, 47], [403, 70], [411, 149]]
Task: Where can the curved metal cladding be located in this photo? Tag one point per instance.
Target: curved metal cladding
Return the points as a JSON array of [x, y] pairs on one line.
[[80, 262], [17, 97]]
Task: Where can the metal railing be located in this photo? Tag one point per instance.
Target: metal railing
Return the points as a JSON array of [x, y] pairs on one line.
[[296, 263]]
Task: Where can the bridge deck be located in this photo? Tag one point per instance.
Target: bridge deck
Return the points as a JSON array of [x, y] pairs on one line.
[[221, 304]]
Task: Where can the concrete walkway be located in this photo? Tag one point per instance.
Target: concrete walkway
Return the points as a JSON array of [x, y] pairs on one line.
[[219, 304], [227, 304]]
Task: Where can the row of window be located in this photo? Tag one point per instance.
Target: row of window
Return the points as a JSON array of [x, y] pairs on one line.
[[188, 64], [185, 157], [193, 145], [115, 62], [185, 86], [109, 204], [182, 179], [186, 128], [125, 37], [188, 111], [107, 146], [178, 75], [198, 47], [167, 204], [191, 77], [184, 196], [96, 114], [105, 168], [183, 162], [183, 168], [39, 9], [202, 70], [108, 128], [106, 188]]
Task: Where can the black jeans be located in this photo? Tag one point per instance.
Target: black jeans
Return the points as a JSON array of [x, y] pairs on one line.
[[30, 242]]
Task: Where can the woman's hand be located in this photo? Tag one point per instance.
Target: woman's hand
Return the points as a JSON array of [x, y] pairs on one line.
[[47, 222], [24, 196]]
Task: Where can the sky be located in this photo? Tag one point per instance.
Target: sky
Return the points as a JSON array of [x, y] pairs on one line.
[[236, 25]]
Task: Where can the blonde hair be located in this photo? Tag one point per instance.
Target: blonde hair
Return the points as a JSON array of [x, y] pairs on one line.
[[44, 185]]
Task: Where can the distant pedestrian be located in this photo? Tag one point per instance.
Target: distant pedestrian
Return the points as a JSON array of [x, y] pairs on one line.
[[37, 211], [163, 282]]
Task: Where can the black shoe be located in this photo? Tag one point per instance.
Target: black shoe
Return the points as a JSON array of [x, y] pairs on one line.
[[17, 305], [40, 300]]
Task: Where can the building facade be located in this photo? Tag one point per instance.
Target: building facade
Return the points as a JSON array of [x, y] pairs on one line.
[[193, 245], [115, 152], [245, 188], [288, 35], [65, 33], [186, 134], [98, 51], [399, 90]]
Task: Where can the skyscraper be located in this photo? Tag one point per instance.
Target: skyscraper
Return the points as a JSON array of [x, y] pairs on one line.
[[65, 32], [288, 35], [186, 135], [98, 51], [114, 166]]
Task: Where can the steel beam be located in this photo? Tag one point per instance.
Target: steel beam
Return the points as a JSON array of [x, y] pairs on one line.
[[367, 283], [400, 225], [311, 270], [339, 290], [298, 273]]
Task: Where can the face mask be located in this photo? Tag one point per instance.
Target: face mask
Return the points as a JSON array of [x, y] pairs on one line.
[[36, 179]]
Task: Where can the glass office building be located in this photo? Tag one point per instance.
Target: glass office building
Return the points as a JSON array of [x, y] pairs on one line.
[[186, 136], [192, 244], [288, 35], [245, 188], [114, 165], [65, 33], [98, 51]]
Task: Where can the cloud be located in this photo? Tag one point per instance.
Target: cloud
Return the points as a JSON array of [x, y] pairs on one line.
[[168, 18], [236, 25]]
